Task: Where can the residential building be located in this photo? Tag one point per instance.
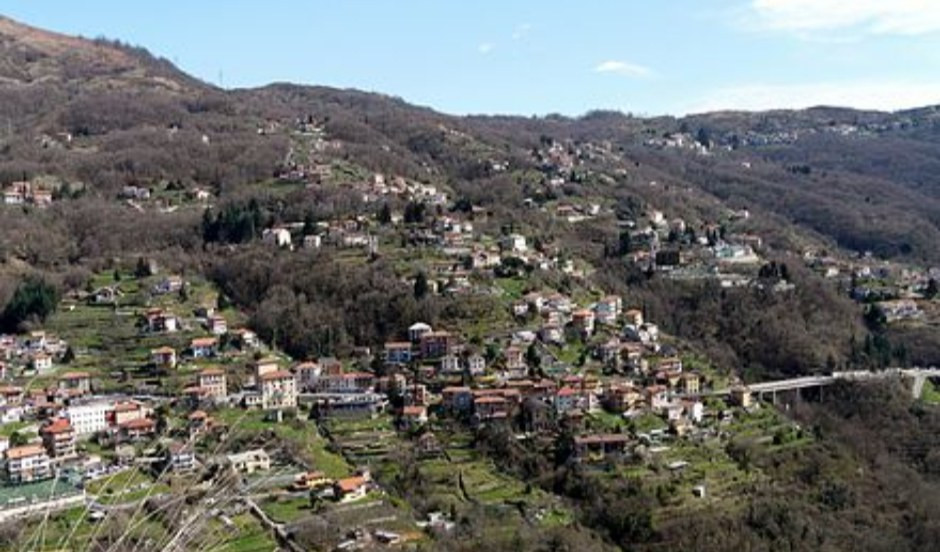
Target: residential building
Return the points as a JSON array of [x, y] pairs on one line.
[[27, 464], [691, 383], [265, 366], [583, 320], [417, 330], [398, 352], [598, 447], [458, 399], [135, 429], [308, 374], [450, 365], [352, 488], [126, 411], [250, 461], [217, 325], [278, 236], [164, 358], [437, 344], [514, 243], [351, 405], [657, 396], [312, 480], [607, 310], [414, 416], [515, 359], [88, 419], [213, 380], [58, 438], [246, 338], [41, 363], [634, 317], [78, 383], [204, 347], [351, 382], [476, 365], [180, 457], [278, 390], [160, 321], [170, 284], [491, 408]]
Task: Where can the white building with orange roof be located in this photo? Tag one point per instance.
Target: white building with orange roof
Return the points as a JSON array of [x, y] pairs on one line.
[[278, 390], [27, 463]]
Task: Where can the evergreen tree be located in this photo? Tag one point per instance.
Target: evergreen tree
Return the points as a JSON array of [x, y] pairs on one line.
[[34, 297], [932, 289], [625, 244], [532, 356], [421, 286], [385, 214], [142, 270]]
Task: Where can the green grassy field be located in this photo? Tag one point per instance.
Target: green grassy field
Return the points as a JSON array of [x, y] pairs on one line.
[[302, 433]]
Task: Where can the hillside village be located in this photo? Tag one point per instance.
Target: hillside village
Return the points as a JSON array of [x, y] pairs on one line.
[[189, 390], [188, 395]]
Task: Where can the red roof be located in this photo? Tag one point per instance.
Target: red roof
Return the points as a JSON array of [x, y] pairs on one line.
[[60, 425], [138, 424], [74, 375], [490, 400], [276, 375], [212, 372], [16, 453], [351, 484]]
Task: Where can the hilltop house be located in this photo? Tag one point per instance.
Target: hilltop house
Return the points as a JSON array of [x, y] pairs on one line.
[[77, 383], [278, 236], [164, 357], [180, 457], [352, 488], [217, 325], [170, 284], [159, 321], [597, 447], [250, 461], [417, 330], [204, 347]]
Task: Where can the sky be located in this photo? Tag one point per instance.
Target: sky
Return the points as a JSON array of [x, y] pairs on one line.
[[538, 57]]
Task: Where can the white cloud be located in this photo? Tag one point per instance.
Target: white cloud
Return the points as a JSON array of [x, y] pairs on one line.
[[486, 48], [887, 96], [624, 68], [903, 17]]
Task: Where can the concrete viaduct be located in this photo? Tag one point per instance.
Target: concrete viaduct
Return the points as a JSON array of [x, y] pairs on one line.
[[915, 376]]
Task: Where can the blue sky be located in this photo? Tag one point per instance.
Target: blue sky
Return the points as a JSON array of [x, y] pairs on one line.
[[537, 57]]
